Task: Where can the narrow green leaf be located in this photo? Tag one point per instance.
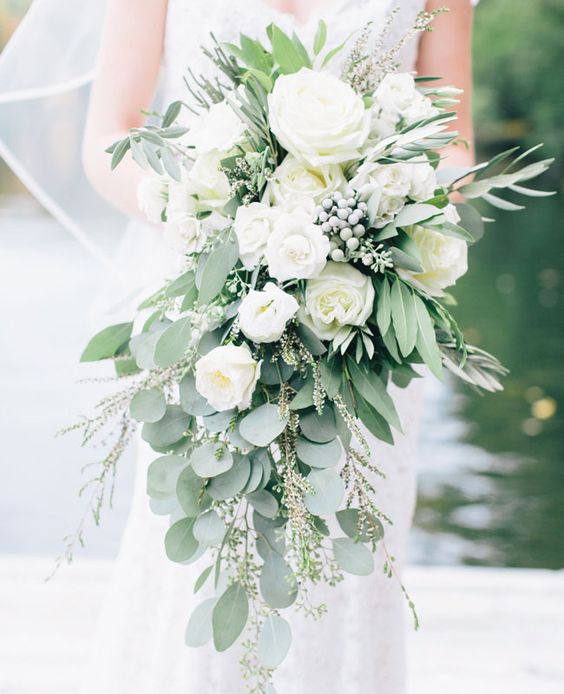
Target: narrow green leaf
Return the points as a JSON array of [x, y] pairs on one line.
[[384, 307], [285, 51], [426, 341], [320, 37], [217, 267], [171, 113], [403, 317], [173, 342]]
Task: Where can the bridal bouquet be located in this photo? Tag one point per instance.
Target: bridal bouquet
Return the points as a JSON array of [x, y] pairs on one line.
[[317, 237]]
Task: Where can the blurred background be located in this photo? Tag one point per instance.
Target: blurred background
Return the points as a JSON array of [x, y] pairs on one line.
[[492, 468]]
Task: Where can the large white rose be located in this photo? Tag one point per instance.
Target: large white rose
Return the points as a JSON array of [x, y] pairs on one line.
[[183, 231], [218, 128], [227, 377], [444, 260], [152, 193], [340, 296], [317, 117], [253, 226], [423, 179], [208, 183], [263, 315], [297, 248], [295, 182]]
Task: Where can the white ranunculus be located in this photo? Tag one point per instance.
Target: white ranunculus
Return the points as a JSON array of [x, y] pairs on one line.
[[218, 128], [263, 315], [152, 193], [227, 377], [208, 183], [444, 260], [340, 296], [297, 248], [317, 117], [423, 179], [391, 181], [295, 181], [183, 231], [253, 226]]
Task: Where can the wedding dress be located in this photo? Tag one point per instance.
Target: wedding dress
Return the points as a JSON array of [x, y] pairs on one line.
[[358, 647]]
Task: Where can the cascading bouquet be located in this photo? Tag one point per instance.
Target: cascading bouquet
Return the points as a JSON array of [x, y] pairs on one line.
[[317, 236]]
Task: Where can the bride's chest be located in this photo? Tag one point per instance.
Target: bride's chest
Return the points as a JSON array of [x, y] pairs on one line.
[[190, 23]]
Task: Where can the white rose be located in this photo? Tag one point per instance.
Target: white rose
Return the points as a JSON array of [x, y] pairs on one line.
[[218, 128], [227, 377], [392, 181], [295, 181], [152, 193], [444, 260], [423, 179], [317, 117], [208, 183], [183, 232], [297, 248], [340, 296], [397, 98], [263, 315], [253, 226], [419, 110]]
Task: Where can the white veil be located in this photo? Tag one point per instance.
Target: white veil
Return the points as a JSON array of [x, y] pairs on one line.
[[45, 75]]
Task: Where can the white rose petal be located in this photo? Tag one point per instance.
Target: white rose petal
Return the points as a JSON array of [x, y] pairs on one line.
[[444, 260], [263, 315], [152, 193], [297, 248], [208, 183], [295, 183], [227, 377], [451, 214], [183, 232], [340, 296], [396, 93], [253, 226], [393, 183], [218, 128], [317, 117], [423, 179]]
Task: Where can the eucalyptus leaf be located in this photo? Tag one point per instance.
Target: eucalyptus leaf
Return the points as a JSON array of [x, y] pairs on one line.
[[218, 422], [230, 616], [172, 344], [374, 392], [232, 482], [211, 459], [148, 405], [163, 474], [180, 543], [272, 532], [199, 630], [274, 641], [384, 307], [190, 493], [329, 491], [264, 502], [209, 529], [353, 557], [403, 317], [263, 425], [319, 428], [190, 400], [106, 343], [218, 265], [319, 455], [202, 578], [167, 430], [417, 212], [349, 520], [277, 582]]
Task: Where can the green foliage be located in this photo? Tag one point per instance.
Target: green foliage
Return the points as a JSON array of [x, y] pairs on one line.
[[230, 616], [107, 342]]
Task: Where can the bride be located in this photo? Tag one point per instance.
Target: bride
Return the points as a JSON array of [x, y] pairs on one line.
[[359, 646]]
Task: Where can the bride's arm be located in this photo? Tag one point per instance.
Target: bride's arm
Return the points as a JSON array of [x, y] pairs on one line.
[[127, 71], [447, 52]]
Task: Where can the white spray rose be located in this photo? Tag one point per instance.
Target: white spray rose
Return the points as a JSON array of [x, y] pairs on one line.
[[391, 181], [253, 226], [317, 117], [263, 315], [397, 97], [208, 183], [227, 377], [219, 128], [423, 179], [297, 248], [295, 181], [340, 296], [152, 193], [444, 260], [183, 231]]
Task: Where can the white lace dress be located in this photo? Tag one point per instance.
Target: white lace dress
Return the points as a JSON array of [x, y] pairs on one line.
[[358, 647]]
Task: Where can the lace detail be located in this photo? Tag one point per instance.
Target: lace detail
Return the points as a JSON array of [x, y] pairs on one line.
[[358, 648]]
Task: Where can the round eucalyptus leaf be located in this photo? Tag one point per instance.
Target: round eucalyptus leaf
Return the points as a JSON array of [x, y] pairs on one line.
[[218, 422], [180, 543], [229, 616], [190, 400], [143, 349], [169, 429], [162, 476], [272, 373], [262, 425], [329, 491], [263, 458], [349, 520], [271, 531], [211, 460], [321, 526], [148, 405], [173, 342], [319, 428], [230, 483], [352, 556], [277, 582], [163, 507], [190, 493], [274, 642], [263, 502], [199, 630], [235, 439], [209, 529], [255, 478], [319, 455]]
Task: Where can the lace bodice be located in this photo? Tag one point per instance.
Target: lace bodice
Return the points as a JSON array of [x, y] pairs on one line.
[[190, 23]]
